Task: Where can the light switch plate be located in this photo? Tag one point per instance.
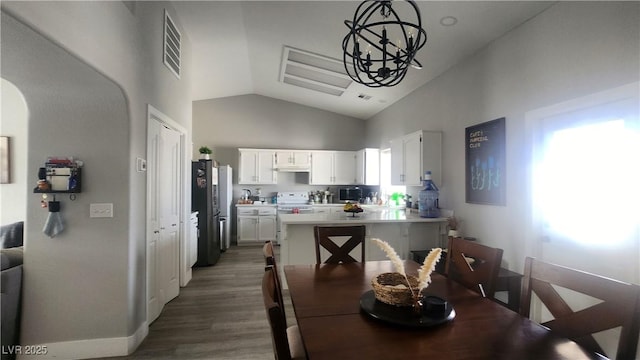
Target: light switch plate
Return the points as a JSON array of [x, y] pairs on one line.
[[101, 210], [141, 165]]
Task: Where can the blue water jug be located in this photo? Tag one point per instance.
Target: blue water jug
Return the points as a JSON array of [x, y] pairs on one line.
[[428, 198]]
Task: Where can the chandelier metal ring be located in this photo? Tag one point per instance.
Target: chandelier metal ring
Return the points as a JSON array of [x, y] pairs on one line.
[[383, 64]]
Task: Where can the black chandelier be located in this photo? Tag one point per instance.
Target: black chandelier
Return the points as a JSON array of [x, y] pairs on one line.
[[378, 50]]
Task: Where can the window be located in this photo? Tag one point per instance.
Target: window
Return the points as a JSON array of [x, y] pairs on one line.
[[386, 189], [585, 181]]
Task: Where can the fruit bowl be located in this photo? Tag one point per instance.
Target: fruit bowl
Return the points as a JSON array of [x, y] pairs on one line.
[[354, 211]]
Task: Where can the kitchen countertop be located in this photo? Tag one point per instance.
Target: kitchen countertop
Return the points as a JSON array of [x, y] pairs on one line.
[[384, 216], [342, 204], [260, 204]]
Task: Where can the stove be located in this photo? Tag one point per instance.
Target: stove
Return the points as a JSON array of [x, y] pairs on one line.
[[294, 202]]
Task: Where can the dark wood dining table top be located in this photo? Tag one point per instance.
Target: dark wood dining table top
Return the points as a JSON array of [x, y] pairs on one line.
[[326, 301]]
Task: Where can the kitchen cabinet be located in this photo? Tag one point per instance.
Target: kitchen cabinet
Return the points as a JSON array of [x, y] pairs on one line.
[[256, 224], [328, 209], [293, 160], [333, 168], [257, 167], [413, 154], [368, 167]]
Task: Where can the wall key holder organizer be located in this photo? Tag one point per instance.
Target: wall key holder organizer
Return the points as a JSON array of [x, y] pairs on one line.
[[60, 175]]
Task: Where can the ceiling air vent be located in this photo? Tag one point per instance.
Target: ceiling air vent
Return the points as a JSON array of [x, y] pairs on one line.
[[314, 72], [172, 39], [364, 96]]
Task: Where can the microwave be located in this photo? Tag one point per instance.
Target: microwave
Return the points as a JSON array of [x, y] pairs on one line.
[[353, 194]]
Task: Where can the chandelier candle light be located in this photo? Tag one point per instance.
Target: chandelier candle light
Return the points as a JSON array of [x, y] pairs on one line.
[[389, 43], [398, 288]]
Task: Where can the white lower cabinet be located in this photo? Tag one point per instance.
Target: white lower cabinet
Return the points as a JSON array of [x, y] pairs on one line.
[[256, 225], [266, 228]]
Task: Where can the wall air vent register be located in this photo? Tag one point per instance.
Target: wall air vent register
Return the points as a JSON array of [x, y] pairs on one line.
[[172, 38], [314, 72]]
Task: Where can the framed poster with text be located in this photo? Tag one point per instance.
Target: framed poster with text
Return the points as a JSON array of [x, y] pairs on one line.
[[485, 163]]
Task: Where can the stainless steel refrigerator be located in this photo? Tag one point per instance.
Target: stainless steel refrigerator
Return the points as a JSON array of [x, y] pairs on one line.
[[225, 187], [204, 199]]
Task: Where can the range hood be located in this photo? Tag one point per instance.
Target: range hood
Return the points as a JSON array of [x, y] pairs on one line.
[[293, 160]]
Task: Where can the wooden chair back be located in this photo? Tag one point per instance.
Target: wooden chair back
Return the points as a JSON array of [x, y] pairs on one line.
[[275, 315], [270, 260], [619, 305], [269, 253], [474, 265], [339, 254]]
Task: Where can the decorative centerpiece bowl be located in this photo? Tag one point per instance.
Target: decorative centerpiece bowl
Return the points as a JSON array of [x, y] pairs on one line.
[[354, 211], [398, 288], [392, 288]]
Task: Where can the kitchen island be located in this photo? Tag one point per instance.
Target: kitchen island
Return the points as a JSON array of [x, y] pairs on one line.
[[404, 231]]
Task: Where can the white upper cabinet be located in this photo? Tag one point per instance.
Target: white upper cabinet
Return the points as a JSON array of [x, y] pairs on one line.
[[344, 169], [293, 160], [368, 167], [333, 168], [321, 168], [413, 154], [257, 167]]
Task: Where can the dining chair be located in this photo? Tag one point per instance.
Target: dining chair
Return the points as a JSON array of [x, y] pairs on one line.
[[339, 254], [618, 306], [286, 341], [270, 260], [474, 265], [269, 254]]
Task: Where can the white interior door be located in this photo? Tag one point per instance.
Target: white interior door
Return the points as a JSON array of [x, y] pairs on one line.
[[153, 222], [169, 172], [165, 202]]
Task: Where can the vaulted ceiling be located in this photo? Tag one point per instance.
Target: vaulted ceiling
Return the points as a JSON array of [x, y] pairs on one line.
[[238, 45]]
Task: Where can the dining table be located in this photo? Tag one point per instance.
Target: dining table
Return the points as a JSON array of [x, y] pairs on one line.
[[326, 300]]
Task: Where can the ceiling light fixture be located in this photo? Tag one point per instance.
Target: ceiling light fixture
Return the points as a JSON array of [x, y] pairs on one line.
[[448, 21], [378, 50]]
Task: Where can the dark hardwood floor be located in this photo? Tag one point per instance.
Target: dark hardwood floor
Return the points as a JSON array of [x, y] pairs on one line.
[[218, 315]]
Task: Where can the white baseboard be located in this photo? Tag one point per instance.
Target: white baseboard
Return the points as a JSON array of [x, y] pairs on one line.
[[85, 349]]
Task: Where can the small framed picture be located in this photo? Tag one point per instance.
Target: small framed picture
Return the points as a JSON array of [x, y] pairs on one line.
[[5, 164], [485, 163]]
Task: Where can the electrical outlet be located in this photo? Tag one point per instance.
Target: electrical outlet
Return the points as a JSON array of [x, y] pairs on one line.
[[101, 210]]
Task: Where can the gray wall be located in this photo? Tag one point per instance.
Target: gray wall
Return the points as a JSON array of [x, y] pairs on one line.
[[256, 121], [90, 283], [571, 50], [65, 269]]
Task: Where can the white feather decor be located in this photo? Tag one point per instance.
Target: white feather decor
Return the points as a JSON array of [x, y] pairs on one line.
[[392, 255], [429, 264]]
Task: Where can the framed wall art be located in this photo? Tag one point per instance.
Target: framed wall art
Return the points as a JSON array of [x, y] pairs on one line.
[[5, 166], [485, 163]]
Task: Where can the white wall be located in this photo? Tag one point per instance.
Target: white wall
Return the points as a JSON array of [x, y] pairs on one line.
[[123, 43], [571, 50], [14, 124]]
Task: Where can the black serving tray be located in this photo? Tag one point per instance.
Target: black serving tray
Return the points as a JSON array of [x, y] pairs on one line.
[[404, 315]]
